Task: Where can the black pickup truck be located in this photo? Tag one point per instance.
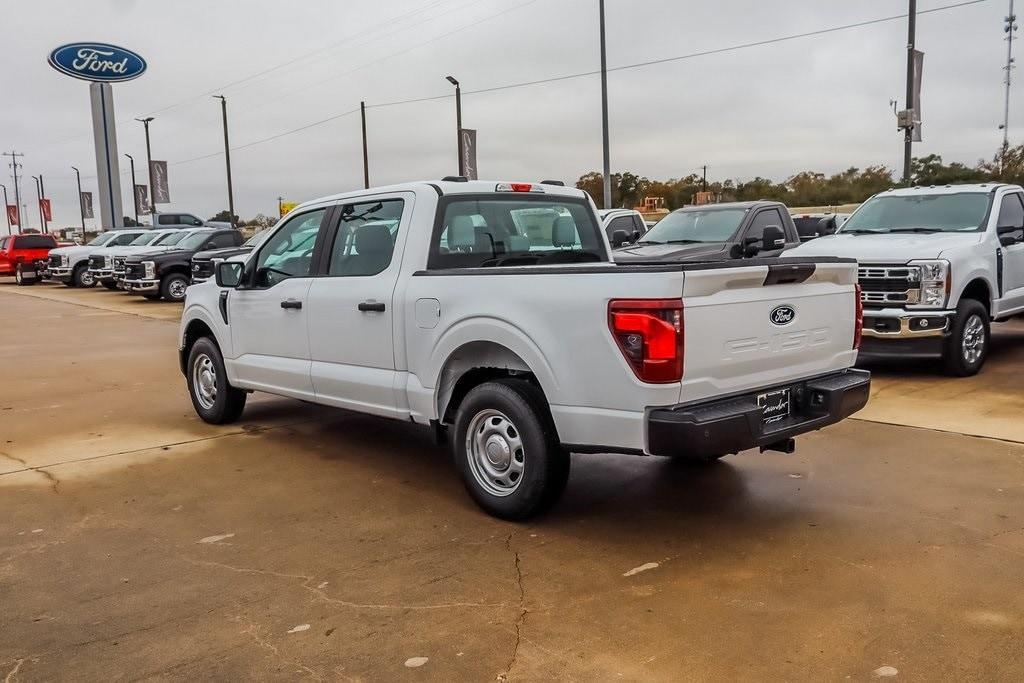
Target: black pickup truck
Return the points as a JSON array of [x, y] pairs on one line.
[[204, 262], [166, 274], [715, 232]]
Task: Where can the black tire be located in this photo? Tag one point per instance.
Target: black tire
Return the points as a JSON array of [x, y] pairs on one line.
[[538, 480], [227, 402], [21, 280], [80, 277], [173, 286], [110, 284], [966, 347]]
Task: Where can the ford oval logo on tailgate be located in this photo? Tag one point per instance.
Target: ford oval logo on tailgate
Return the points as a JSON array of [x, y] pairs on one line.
[[98, 62], [782, 315]]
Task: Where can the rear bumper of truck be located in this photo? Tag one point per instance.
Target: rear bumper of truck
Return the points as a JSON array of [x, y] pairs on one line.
[[737, 423]]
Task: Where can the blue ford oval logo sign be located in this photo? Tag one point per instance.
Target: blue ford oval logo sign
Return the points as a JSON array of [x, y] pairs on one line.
[[97, 62], [782, 315]]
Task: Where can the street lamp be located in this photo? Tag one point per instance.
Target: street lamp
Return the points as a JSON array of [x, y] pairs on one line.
[[227, 159], [135, 198], [458, 122], [81, 209], [9, 230], [604, 116], [39, 201], [149, 172]]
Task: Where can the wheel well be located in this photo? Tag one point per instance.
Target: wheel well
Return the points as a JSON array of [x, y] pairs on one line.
[[472, 365], [979, 291], [175, 269], [195, 331]]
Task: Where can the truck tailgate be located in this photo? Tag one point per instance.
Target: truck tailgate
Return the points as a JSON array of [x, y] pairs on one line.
[[763, 325]]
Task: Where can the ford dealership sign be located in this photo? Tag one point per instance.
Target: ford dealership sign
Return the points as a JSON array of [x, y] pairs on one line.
[[97, 62]]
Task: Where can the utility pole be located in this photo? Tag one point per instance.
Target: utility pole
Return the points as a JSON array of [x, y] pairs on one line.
[[366, 156], [9, 231], [604, 116], [458, 122], [39, 202], [149, 171], [135, 199], [279, 207], [704, 182], [1009, 29], [81, 209], [908, 132], [227, 159], [17, 192]]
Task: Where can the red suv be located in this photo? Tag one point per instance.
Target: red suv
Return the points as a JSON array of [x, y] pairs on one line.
[[20, 253]]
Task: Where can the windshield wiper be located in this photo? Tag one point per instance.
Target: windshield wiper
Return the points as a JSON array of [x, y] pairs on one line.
[[684, 242], [921, 230], [861, 232]]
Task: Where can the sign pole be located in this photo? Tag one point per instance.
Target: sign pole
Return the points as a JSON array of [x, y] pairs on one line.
[[108, 173], [81, 209]]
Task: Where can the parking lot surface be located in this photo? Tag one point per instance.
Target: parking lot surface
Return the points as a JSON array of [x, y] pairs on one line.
[[138, 542]]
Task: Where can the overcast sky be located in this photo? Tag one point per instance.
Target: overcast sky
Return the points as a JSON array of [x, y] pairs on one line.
[[816, 103]]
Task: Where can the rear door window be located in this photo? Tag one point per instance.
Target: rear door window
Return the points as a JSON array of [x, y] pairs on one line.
[[494, 230], [223, 240], [365, 241]]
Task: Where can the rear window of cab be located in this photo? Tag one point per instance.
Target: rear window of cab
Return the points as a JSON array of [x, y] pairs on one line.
[[34, 242]]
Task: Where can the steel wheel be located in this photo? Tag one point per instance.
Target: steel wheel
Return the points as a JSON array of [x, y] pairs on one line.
[[87, 279], [177, 288], [18, 277], [496, 454], [204, 379], [973, 340]]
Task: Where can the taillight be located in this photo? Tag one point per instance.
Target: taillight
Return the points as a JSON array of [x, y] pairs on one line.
[[649, 333], [858, 318]]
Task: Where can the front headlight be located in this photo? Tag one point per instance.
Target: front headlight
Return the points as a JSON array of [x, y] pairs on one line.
[[150, 269], [108, 262], [65, 260], [935, 283]]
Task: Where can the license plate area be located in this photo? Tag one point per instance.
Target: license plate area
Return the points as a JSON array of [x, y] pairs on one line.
[[775, 405]]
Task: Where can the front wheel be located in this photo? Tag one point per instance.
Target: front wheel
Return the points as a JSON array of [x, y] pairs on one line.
[[173, 286], [213, 398], [507, 451], [967, 345], [81, 277]]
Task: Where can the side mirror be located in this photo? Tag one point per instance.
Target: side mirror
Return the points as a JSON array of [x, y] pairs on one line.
[[827, 226], [619, 237], [1008, 234], [229, 274], [773, 238]]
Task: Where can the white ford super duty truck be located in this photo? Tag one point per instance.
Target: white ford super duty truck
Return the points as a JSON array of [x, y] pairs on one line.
[[493, 312], [937, 266]]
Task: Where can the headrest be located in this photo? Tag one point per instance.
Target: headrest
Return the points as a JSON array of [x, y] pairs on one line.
[[373, 238], [461, 232], [563, 232], [517, 243]]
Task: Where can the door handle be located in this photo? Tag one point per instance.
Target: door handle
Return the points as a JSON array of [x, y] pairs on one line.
[[291, 303], [376, 306]]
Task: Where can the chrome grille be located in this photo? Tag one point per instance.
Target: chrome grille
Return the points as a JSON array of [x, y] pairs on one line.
[[883, 285]]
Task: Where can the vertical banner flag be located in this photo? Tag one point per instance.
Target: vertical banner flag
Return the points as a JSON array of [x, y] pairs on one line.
[[915, 105], [141, 199], [158, 181], [87, 205], [469, 153], [44, 206], [12, 214], [287, 207]]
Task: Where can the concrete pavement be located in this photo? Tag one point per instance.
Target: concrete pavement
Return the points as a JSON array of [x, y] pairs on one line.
[[138, 542]]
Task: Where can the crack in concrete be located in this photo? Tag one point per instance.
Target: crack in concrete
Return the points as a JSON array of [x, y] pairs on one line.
[[322, 595], [54, 482], [520, 621], [253, 631], [14, 672]]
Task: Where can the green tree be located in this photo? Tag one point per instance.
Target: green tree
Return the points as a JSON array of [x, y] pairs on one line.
[[224, 217]]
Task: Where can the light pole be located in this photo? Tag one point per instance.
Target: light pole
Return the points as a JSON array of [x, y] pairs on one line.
[[149, 171], [17, 192], [458, 122], [81, 209], [1009, 29], [39, 202], [366, 155], [908, 132], [42, 193], [135, 198], [279, 207], [227, 159], [9, 230], [604, 116]]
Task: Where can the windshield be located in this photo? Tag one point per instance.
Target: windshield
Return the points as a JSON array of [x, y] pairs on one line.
[[143, 239], [960, 212], [100, 240], [713, 225], [171, 238], [195, 239]]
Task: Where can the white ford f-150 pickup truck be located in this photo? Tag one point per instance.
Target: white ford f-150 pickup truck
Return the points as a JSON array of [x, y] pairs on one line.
[[937, 266], [493, 312]]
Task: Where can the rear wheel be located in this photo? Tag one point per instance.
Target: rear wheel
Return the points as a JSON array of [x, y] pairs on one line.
[[967, 345], [173, 286], [213, 398], [81, 277], [21, 278], [507, 451]]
